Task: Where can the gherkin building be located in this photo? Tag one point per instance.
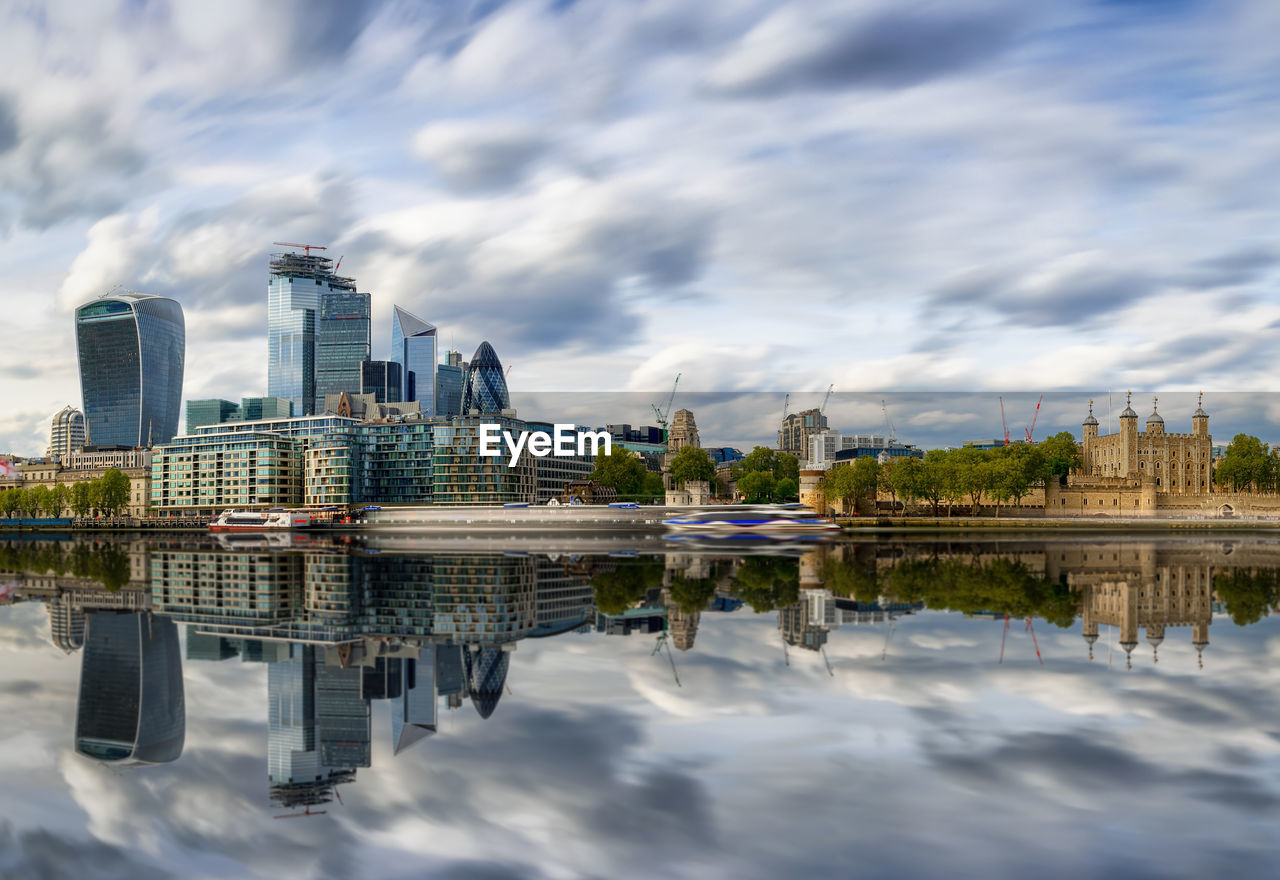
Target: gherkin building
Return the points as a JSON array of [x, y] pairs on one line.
[[486, 388]]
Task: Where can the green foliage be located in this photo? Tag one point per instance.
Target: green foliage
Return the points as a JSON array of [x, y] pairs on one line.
[[621, 470], [103, 562], [1002, 586], [757, 487], [1248, 595], [846, 483], [1247, 465], [779, 465], [692, 463], [81, 498], [114, 488], [1061, 453], [620, 589], [651, 488], [859, 582], [786, 489], [768, 582], [692, 594]]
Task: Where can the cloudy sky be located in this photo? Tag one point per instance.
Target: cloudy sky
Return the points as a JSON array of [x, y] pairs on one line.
[[883, 194], [921, 756]]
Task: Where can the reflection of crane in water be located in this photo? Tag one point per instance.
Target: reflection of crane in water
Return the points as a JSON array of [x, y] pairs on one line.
[[888, 634], [664, 641], [310, 812], [830, 671], [1028, 628]]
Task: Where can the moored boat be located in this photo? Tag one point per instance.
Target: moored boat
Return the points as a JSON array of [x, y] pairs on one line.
[[260, 521]]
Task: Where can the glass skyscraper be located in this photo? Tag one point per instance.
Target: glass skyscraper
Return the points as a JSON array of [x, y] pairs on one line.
[[66, 435], [342, 344], [449, 382], [486, 386], [131, 349], [297, 284], [413, 347], [131, 707]]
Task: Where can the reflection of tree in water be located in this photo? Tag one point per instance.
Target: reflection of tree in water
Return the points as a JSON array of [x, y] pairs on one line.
[[768, 582], [1001, 585], [1248, 594], [105, 563], [625, 585], [692, 594]]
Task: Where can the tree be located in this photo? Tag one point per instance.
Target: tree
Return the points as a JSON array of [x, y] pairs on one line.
[[1248, 595], [907, 479], [81, 500], [691, 594], [692, 463], [618, 590], [768, 582], [11, 501], [620, 470], [1246, 465], [970, 475], [1062, 453], [33, 500], [786, 489], [651, 488], [847, 483], [780, 465], [59, 497], [933, 477], [114, 489], [884, 482], [757, 487]]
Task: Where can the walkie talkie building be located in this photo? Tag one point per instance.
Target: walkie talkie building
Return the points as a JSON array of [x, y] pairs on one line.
[[131, 349]]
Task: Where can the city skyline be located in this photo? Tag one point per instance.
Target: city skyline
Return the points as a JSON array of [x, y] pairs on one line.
[[613, 194]]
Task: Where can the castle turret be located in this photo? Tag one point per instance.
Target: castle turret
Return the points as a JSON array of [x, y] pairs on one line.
[[1089, 439], [1155, 422], [1128, 438], [1200, 419]]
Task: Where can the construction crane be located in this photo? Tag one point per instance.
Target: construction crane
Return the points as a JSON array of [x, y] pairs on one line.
[[1028, 628], [786, 402], [1004, 423], [888, 425], [664, 641], [507, 374], [823, 408], [664, 413], [306, 247], [1035, 416], [830, 671]]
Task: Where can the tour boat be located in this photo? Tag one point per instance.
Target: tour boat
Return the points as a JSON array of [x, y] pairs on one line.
[[255, 521], [756, 521]]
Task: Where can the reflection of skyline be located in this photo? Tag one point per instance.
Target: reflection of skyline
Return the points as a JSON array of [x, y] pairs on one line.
[[342, 630]]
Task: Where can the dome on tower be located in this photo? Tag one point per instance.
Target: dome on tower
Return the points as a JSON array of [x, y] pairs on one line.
[[1155, 419], [1200, 413], [1090, 421]]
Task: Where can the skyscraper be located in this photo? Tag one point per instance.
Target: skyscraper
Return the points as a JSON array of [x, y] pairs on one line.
[[213, 411], [66, 434], [486, 386], [383, 379], [297, 283], [413, 712], [131, 707], [450, 377], [342, 344], [131, 349], [413, 347]]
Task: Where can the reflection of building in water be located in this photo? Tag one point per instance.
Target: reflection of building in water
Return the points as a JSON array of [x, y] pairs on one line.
[[451, 674], [413, 712], [1136, 585], [565, 600], [806, 623], [66, 624], [485, 599], [798, 629], [682, 625], [486, 675], [295, 764], [131, 707]]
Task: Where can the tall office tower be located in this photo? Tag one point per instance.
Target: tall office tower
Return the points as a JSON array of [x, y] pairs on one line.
[[342, 716], [131, 708], [486, 386], [413, 712], [450, 378], [342, 344], [66, 434], [382, 379], [486, 675], [292, 754], [131, 349], [253, 409], [297, 284], [413, 347], [210, 412]]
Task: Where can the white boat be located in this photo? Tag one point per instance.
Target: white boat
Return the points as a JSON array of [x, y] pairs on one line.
[[260, 521], [763, 520]]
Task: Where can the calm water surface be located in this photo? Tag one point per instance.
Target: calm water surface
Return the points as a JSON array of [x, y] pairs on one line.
[[617, 707]]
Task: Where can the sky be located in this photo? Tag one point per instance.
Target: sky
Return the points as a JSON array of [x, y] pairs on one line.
[[885, 195], [597, 764]]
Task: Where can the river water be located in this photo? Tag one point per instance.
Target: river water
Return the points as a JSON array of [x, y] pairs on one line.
[[612, 706]]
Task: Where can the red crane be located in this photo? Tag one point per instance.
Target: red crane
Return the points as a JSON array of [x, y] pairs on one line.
[[1032, 429], [306, 247], [1003, 422], [1029, 628]]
